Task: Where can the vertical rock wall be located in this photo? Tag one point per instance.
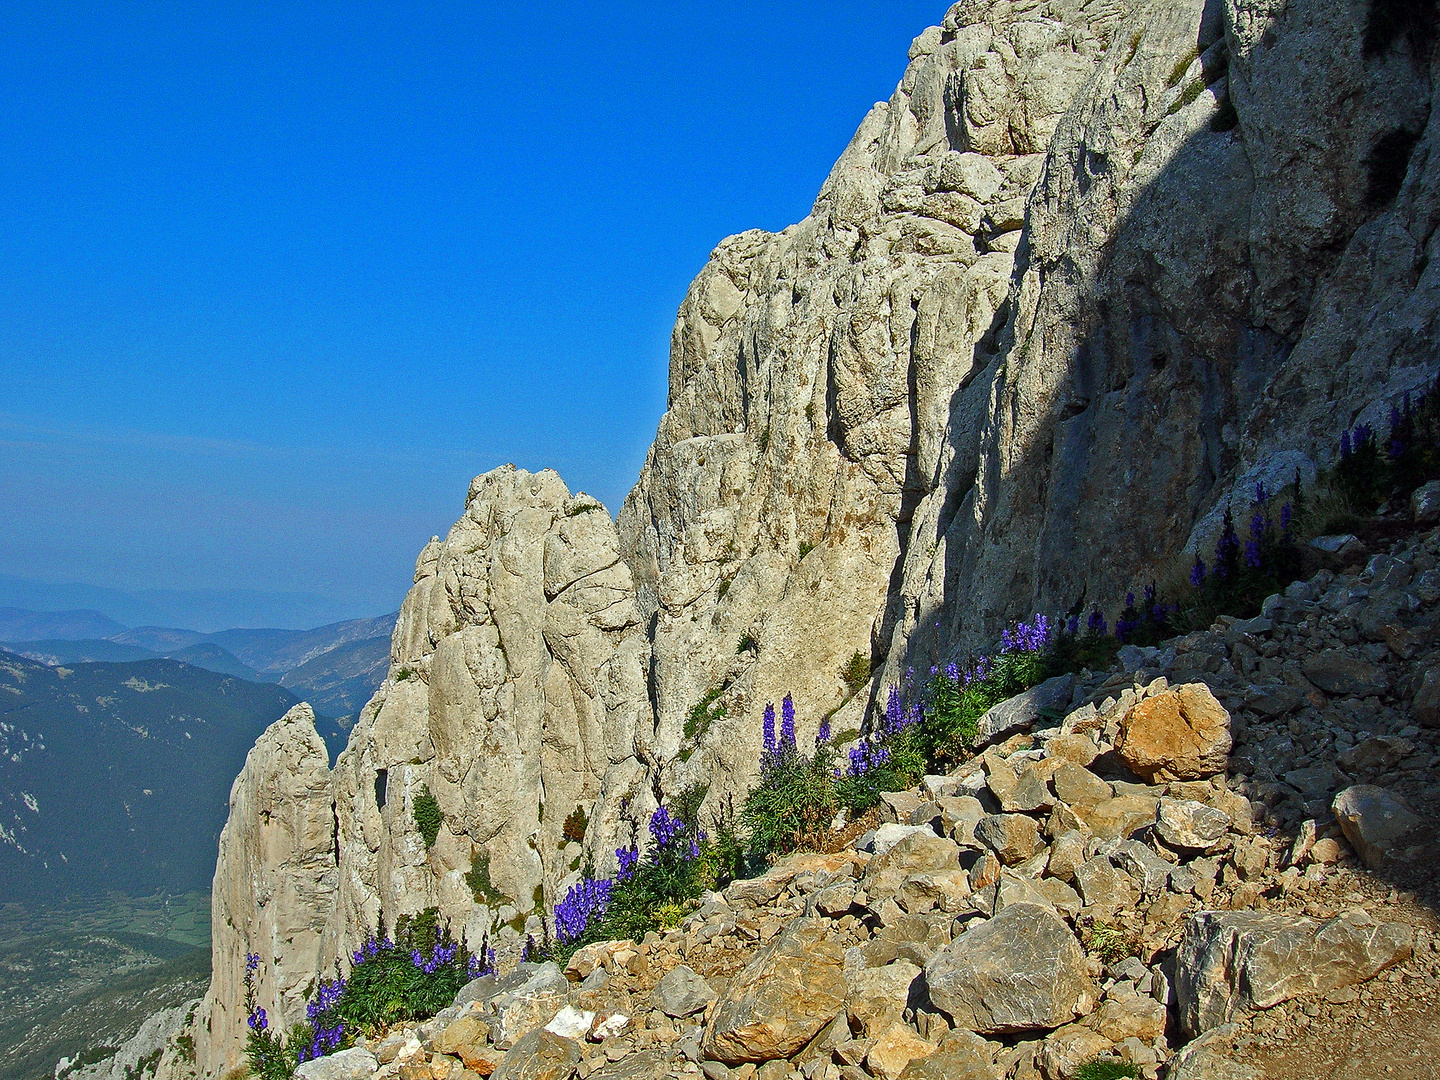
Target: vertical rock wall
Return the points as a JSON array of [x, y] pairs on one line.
[[274, 885]]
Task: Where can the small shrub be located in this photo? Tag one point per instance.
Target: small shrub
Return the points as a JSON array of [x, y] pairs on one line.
[[575, 825], [582, 508], [704, 713], [765, 439], [1110, 943], [805, 549], [478, 878], [722, 589], [747, 643], [1107, 1069], [403, 674], [856, 672], [426, 812]]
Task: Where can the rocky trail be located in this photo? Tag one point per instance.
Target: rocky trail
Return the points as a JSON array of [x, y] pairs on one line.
[[1219, 864]]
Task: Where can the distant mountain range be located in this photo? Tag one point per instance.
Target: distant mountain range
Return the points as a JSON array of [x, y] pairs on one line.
[[336, 668], [116, 776]]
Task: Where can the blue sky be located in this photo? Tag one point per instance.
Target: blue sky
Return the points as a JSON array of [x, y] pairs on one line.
[[277, 279]]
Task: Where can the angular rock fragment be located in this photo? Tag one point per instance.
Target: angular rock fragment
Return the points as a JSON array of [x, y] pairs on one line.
[[681, 992], [1231, 962], [1189, 825], [1181, 734], [1023, 970], [1337, 672], [1013, 837], [1374, 820], [783, 997]]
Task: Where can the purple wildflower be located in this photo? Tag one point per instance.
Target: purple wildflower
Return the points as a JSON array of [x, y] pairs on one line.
[[892, 710], [1072, 626], [257, 1020], [768, 730], [952, 671], [822, 736], [1096, 623], [629, 857], [787, 723]]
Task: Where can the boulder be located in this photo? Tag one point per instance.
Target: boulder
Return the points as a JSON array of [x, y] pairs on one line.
[[875, 997], [681, 992], [1064, 1052], [1102, 886], [1180, 734], [1374, 820], [1113, 819], [1023, 970], [953, 1061], [357, 1063], [1337, 672], [1066, 854], [1074, 747], [1189, 825], [466, 1039], [1076, 785], [1426, 706], [1232, 962], [915, 854], [1140, 1017], [1375, 755], [526, 999], [540, 1055], [887, 836], [1022, 710], [1013, 837], [1213, 1057], [894, 1050], [783, 997], [1425, 503]]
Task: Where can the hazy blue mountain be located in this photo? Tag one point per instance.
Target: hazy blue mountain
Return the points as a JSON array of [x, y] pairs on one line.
[[18, 624], [116, 776], [204, 609], [84, 651], [340, 681], [279, 651], [159, 639], [212, 657]]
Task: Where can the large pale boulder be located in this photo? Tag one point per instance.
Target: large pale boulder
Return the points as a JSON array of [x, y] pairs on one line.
[[1374, 820], [1232, 962], [1181, 734], [1023, 970], [540, 1055], [782, 998]]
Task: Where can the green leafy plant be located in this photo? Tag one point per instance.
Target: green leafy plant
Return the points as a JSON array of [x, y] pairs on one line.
[[805, 549], [856, 672], [1103, 1068], [747, 643], [582, 508], [426, 812], [481, 887], [796, 797], [402, 674]]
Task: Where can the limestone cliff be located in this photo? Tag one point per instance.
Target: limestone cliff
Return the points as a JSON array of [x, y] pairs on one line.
[[1095, 266]]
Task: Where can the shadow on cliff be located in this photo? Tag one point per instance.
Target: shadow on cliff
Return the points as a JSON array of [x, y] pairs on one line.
[[1135, 425]]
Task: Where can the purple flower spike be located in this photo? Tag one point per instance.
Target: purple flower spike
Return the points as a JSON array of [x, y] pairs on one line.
[[768, 729], [787, 723]]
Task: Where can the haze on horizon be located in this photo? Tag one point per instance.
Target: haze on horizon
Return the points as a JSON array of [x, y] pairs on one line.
[[275, 283]]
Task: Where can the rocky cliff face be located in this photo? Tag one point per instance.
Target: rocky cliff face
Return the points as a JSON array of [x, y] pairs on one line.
[[1094, 267], [274, 885]]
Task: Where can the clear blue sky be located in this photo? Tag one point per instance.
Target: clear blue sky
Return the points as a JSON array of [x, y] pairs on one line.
[[277, 279]]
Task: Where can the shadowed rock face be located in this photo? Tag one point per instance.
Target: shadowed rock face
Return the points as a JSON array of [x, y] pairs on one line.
[[1093, 269]]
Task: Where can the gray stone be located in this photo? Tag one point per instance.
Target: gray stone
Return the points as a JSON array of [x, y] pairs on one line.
[[915, 854], [1023, 970], [1375, 755], [1102, 886], [1426, 706], [681, 992], [1012, 837], [540, 1055], [357, 1063], [1425, 503], [1023, 710], [1337, 672], [1374, 820], [1150, 872], [1213, 1057], [1190, 825], [1232, 962]]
